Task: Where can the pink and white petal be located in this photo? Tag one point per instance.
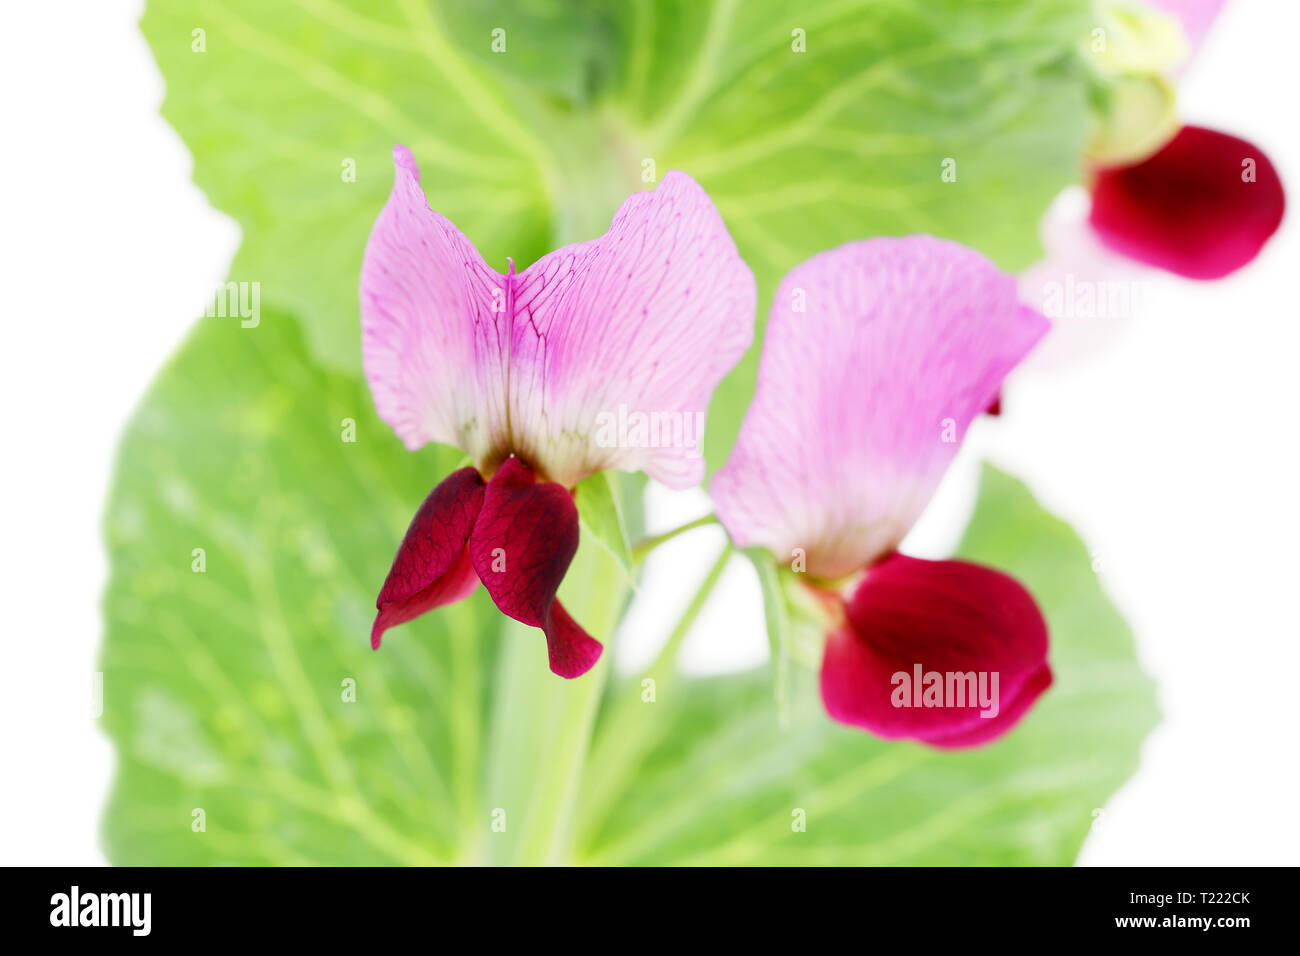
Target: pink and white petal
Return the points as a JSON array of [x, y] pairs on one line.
[[432, 325], [1191, 208], [1089, 292], [877, 356], [977, 629], [432, 566], [646, 320]]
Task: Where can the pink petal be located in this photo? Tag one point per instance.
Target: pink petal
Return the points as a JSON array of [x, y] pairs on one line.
[[911, 617], [431, 344], [1188, 208], [646, 319], [432, 566], [522, 543], [1196, 16], [1089, 292], [642, 322], [878, 355]]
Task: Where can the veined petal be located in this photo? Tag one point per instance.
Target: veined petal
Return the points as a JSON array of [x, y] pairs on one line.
[[877, 356], [433, 325], [1202, 207], [603, 354], [644, 321], [523, 540], [946, 652], [432, 566], [571, 650]]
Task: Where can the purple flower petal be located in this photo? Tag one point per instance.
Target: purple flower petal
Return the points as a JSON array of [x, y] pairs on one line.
[[645, 320], [638, 326], [877, 356], [977, 629], [431, 344], [1202, 207], [432, 566], [522, 543]]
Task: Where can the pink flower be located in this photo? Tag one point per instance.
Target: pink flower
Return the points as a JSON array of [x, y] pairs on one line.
[[877, 356], [1203, 205], [519, 370]]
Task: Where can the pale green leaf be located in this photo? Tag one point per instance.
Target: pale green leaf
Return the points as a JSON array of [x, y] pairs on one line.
[[248, 539], [600, 517], [244, 694], [536, 146], [243, 686], [725, 783]]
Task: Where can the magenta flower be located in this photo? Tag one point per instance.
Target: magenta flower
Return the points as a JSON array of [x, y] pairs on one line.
[[520, 370], [1202, 207], [1204, 204], [877, 357]]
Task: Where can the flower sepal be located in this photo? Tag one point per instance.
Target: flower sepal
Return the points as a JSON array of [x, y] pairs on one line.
[[813, 608]]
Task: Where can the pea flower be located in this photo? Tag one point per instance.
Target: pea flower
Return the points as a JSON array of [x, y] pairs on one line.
[[877, 356], [1192, 201], [517, 370]]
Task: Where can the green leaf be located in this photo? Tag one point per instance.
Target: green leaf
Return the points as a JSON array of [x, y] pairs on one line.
[[226, 668], [248, 538], [562, 47], [600, 517], [724, 783], [228, 674], [536, 146]]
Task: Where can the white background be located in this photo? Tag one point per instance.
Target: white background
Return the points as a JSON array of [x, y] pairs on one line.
[[1169, 442]]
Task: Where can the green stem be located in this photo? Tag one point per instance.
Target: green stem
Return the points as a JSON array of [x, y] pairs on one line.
[[646, 545], [628, 730], [542, 724]]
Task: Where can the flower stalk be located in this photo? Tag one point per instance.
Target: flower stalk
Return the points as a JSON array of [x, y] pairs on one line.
[[646, 545]]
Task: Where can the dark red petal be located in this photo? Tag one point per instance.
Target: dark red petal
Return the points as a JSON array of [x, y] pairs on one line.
[[522, 543], [1187, 208], [945, 617], [571, 650], [996, 407], [432, 566]]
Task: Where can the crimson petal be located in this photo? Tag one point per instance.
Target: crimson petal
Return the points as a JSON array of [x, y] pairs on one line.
[[1190, 208], [976, 628], [522, 543], [432, 566]]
